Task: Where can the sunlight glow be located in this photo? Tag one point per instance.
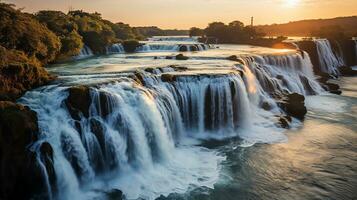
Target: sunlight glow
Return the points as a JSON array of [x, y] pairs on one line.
[[292, 3]]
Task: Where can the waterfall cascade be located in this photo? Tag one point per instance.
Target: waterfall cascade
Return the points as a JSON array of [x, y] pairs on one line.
[[115, 49], [133, 131], [85, 52], [171, 47], [329, 60]]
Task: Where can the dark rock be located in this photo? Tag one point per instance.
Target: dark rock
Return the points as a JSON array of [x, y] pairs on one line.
[[347, 71], [294, 105], [21, 177], [193, 48], [284, 121], [332, 88], [169, 57], [168, 78], [139, 78], [115, 194], [130, 46], [181, 57], [149, 69], [232, 58], [311, 49], [183, 48], [266, 106], [78, 101], [46, 154]]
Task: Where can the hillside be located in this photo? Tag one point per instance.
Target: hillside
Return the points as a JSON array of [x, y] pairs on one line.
[[306, 27]]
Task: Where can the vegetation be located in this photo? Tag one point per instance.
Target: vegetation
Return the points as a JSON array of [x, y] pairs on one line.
[[155, 31], [234, 32]]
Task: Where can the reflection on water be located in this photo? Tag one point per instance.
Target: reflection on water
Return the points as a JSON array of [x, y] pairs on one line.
[[318, 162]]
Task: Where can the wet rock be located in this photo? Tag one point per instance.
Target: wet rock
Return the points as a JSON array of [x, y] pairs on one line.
[[233, 58], [169, 57], [46, 154], [284, 121], [104, 104], [266, 106], [193, 48], [168, 78], [181, 57], [347, 71], [21, 177], [332, 88], [294, 105], [130, 46], [183, 48], [311, 49], [150, 70], [139, 78], [115, 194], [78, 101]]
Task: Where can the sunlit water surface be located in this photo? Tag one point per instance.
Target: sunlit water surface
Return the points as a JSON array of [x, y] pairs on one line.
[[318, 161]]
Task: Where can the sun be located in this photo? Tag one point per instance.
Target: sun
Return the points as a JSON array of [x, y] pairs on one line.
[[292, 3]]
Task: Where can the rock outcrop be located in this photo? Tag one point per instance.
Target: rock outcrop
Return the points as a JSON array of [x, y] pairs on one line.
[[294, 105], [21, 178]]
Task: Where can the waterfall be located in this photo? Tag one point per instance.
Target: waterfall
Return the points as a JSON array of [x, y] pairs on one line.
[[135, 131], [85, 52], [171, 47], [115, 49], [329, 61], [174, 38]]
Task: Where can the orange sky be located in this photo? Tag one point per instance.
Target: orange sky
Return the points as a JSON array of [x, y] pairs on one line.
[[184, 14]]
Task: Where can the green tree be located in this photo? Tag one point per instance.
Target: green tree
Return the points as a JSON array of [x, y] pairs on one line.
[[65, 28], [23, 32], [194, 31]]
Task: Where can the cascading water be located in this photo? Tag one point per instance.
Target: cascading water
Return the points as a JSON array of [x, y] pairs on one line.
[[171, 47], [329, 61], [85, 52], [115, 49], [138, 129]]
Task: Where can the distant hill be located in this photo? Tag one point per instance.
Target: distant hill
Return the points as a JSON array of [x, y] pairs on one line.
[[304, 28]]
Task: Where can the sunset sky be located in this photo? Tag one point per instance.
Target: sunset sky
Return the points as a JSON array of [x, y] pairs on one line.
[[184, 14]]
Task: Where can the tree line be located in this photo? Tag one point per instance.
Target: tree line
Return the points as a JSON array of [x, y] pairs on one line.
[[234, 32]]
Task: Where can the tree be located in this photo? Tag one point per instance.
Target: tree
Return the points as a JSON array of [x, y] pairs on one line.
[[194, 31], [65, 28], [23, 32]]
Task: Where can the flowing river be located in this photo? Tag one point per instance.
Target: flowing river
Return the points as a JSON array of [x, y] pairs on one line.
[[201, 128]]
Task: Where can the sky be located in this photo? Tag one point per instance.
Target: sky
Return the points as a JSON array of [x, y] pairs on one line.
[[183, 14]]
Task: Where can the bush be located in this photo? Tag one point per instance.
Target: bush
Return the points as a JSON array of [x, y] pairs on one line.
[[131, 45], [19, 73]]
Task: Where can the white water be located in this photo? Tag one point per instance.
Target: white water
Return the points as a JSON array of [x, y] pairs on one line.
[[144, 145], [170, 47], [329, 61], [115, 49], [85, 52]]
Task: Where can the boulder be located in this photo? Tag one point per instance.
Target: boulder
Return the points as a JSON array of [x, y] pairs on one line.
[[21, 177], [168, 78], [294, 105], [78, 101], [181, 57], [183, 48], [130, 46], [332, 88], [193, 48], [284, 121], [347, 71]]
